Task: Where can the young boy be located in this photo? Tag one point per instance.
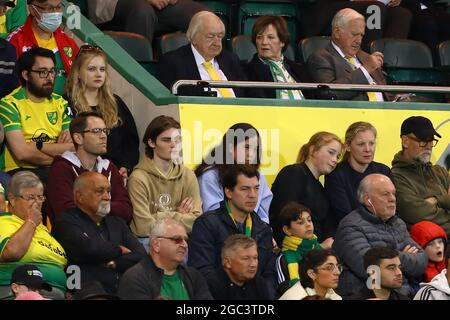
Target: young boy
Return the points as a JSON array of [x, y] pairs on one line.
[[299, 239], [433, 239]]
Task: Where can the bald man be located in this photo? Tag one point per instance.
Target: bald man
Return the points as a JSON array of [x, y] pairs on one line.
[[101, 245], [375, 223]]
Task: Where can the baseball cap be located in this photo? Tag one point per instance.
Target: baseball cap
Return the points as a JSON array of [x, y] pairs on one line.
[[420, 126], [30, 276], [7, 3]]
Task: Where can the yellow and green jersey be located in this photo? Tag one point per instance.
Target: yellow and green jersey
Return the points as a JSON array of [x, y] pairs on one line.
[[42, 121], [44, 251]]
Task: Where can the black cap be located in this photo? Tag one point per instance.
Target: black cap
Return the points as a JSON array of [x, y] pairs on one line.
[[93, 291], [30, 276], [420, 126], [7, 3]]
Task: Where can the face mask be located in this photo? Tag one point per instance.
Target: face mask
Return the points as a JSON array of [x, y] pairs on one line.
[[103, 208], [50, 21]]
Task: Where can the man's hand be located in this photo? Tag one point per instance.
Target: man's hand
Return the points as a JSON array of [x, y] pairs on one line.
[[327, 243], [34, 215], [186, 206], [64, 137], [124, 173], [432, 200], [410, 249], [394, 3], [374, 62], [159, 4], [125, 250]]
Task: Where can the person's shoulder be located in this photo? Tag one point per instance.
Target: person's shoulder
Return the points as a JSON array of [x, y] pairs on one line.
[[15, 98]]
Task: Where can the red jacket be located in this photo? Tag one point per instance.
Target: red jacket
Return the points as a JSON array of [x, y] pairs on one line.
[[63, 172], [23, 39], [423, 232]]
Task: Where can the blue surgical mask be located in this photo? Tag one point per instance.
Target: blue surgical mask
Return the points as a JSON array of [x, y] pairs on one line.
[[50, 21]]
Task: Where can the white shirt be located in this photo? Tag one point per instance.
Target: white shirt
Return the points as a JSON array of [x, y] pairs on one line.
[[358, 65], [204, 74]]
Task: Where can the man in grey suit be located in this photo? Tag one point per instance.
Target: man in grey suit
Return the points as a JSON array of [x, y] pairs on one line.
[[343, 61]]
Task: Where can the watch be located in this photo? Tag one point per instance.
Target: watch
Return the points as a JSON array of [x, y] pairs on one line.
[[39, 144]]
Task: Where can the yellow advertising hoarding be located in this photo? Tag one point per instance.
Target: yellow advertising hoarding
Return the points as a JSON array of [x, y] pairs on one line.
[[284, 130]]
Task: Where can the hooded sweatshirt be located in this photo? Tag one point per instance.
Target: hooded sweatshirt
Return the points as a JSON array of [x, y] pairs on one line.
[[437, 289], [156, 195], [63, 172], [423, 233], [415, 181]]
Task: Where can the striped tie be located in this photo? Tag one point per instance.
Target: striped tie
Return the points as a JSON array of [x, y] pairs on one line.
[[371, 95], [214, 76]]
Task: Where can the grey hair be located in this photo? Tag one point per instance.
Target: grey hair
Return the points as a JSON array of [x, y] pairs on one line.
[[159, 227], [366, 184], [235, 241], [196, 23], [344, 16], [22, 180]]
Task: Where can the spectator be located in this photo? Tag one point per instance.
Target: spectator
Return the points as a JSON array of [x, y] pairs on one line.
[[433, 239], [160, 186], [27, 281], [357, 163], [162, 274], [240, 144], [90, 137], [8, 76], [13, 15], [202, 59], [271, 37], [299, 239], [26, 240], [423, 189], [319, 275], [237, 279], [42, 29], [88, 88], [438, 288], [234, 216], [34, 118], [384, 269], [101, 245], [300, 183], [343, 61], [143, 17], [374, 223]]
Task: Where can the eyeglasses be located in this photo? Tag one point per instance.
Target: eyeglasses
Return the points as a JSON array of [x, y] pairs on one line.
[[98, 131], [176, 239], [88, 48], [331, 267], [58, 8], [422, 144], [43, 73], [33, 197]]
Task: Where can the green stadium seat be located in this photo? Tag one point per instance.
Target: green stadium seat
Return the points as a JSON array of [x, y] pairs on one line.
[[172, 41], [223, 11], [444, 53], [307, 46], [83, 5], [135, 44]]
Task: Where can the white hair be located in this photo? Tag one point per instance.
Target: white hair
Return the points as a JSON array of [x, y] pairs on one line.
[[366, 185], [344, 16], [159, 227], [196, 23]]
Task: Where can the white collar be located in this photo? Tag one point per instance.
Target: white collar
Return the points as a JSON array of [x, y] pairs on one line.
[[199, 58], [340, 51]]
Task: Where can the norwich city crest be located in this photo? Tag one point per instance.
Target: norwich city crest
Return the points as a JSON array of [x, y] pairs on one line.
[[68, 51], [52, 117]]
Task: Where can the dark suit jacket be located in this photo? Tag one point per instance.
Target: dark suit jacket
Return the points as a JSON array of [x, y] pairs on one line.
[[328, 66], [256, 70], [180, 65]]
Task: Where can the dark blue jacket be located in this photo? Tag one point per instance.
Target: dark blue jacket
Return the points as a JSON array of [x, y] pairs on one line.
[[209, 233], [8, 72]]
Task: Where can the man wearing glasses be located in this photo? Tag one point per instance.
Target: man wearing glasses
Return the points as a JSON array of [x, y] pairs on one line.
[[163, 274], [34, 118], [42, 29], [423, 189], [90, 136], [101, 245]]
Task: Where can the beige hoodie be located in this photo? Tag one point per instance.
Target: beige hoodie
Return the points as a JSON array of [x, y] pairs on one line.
[[154, 195]]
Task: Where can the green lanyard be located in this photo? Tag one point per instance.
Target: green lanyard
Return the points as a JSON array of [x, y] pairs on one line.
[[248, 221]]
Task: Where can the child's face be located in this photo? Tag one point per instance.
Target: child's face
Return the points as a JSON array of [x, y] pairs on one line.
[[302, 228], [435, 250]]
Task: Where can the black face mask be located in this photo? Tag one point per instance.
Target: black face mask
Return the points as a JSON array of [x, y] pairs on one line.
[[43, 91]]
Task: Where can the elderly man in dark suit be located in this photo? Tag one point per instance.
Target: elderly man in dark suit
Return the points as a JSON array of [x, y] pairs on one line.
[[202, 59], [343, 61]]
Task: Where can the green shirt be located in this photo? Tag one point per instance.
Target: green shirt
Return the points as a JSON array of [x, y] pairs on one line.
[[173, 288]]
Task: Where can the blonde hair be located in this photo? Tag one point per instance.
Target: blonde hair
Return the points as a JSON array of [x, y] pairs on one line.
[[317, 141], [353, 130], [76, 86]]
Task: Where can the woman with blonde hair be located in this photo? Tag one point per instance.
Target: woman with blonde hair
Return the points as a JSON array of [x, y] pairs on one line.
[[300, 183], [88, 88], [342, 183]]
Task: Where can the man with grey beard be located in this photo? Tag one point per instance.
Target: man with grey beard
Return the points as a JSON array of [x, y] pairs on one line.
[[423, 189], [102, 246]]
